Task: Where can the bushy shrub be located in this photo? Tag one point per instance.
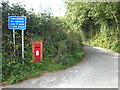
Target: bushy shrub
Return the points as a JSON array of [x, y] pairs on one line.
[[61, 49]]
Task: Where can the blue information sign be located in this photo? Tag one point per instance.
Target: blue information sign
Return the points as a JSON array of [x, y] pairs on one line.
[[17, 22]]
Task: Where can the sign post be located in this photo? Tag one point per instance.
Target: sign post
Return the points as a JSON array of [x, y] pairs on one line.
[[14, 41], [22, 43], [17, 22]]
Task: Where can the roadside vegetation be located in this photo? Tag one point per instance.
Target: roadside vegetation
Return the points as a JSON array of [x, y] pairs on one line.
[[98, 22], [95, 23], [62, 47]]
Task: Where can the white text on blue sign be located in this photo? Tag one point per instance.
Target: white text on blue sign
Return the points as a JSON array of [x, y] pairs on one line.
[[16, 22]]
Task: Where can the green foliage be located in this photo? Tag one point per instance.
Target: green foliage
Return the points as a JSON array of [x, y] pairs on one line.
[[97, 22], [54, 67], [61, 48]]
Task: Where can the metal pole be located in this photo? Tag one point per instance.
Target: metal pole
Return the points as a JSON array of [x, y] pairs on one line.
[[22, 43], [14, 41]]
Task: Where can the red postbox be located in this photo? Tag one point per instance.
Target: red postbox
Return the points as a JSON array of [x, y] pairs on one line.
[[37, 50]]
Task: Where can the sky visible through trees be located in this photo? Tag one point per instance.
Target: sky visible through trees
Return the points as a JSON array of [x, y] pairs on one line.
[[57, 7]]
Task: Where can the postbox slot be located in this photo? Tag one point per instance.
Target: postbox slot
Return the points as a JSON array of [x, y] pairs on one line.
[[37, 47]]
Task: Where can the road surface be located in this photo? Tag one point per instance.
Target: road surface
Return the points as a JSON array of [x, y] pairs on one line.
[[98, 69]]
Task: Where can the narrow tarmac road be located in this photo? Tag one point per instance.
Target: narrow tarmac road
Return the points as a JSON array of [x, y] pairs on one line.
[[98, 69]]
